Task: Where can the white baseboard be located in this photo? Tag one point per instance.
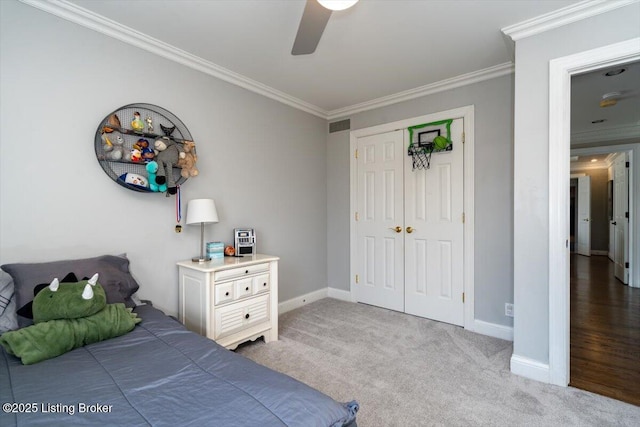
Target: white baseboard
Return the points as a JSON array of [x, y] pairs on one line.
[[339, 294], [530, 368], [493, 330], [599, 252], [305, 299]]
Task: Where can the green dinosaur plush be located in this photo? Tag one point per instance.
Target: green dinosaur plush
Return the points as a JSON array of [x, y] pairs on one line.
[[68, 316], [69, 300]]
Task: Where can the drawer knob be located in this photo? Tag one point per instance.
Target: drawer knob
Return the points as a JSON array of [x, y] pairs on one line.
[[246, 272], [226, 294], [246, 316], [246, 289]]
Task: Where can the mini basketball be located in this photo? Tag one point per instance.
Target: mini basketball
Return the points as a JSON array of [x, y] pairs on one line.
[[440, 142]]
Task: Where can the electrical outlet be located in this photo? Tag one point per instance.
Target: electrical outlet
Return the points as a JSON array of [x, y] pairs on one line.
[[508, 309]]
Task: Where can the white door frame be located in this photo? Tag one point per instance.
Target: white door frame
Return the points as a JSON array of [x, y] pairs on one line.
[[560, 72], [467, 113]]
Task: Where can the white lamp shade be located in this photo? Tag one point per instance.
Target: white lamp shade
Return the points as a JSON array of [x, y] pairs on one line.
[[201, 211]]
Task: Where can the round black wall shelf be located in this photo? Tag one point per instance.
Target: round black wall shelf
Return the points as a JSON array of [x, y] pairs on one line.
[[118, 158]]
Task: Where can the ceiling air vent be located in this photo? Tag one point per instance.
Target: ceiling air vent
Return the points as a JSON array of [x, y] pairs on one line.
[[340, 126]]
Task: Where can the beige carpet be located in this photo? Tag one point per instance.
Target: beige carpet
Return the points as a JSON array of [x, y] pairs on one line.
[[409, 371]]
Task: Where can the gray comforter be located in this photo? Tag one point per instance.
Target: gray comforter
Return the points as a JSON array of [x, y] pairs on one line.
[[161, 375]]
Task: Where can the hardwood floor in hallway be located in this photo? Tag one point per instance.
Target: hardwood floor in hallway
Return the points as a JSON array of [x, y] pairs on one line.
[[605, 330]]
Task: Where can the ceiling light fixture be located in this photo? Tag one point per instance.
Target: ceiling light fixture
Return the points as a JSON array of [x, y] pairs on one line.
[[609, 99], [615, 72], [337, 4]]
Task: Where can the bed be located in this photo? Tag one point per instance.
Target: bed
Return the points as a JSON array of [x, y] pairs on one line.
[[158, 374]]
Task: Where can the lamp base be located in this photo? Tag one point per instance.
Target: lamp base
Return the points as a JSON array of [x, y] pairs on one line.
[[198, 259]]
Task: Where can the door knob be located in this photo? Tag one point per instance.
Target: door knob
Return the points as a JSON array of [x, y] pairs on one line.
[[397, 229], [586, 219], [614, 223], [410, 230]]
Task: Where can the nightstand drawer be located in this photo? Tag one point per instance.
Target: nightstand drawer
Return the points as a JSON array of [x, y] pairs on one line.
[[234, 317], [239, 272], [223, 293], [260, 283], [243, 287]]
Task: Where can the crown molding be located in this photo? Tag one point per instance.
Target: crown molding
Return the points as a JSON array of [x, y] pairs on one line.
[[604, 135], [563, 16], [79, 15], [441, 86]]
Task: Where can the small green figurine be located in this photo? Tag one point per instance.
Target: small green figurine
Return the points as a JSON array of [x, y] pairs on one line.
[[137, 124]]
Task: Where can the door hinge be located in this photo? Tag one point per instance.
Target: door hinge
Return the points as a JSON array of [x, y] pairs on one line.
[[463, 217], [356, 153], [626, 215], [463, 137], [357, 279], [626, 164], [626, 265], [357, 216], [463, 297]]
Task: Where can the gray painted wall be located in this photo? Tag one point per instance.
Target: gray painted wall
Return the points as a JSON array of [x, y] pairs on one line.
[[493, 101], [262, 162], [531, 164], [338, 217]]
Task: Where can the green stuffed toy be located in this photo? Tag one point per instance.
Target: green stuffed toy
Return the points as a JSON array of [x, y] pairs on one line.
[[67, 316], [69, 301]]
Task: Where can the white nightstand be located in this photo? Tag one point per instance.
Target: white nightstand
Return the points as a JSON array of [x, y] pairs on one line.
[[230, 300]]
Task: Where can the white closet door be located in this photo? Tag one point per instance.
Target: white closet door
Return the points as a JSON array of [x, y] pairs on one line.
[[380, 211], [434, 235]]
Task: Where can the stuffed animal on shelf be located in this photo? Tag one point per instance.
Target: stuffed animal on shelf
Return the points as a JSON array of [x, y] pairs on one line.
[[147, 152], [112, 124], [117, 152], [188, 163], [135, 180], [168, 152], [167, 130], [152, 168], [107, 145], [136, 155]]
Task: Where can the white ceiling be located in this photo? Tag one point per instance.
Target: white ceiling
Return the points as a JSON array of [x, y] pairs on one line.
[[369, 55], [622, 121], [375, 49]]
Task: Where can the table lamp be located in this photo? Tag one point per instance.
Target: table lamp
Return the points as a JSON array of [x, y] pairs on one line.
[[201, 211]]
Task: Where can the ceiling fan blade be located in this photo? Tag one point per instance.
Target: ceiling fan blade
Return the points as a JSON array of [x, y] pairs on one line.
[[314, 19]]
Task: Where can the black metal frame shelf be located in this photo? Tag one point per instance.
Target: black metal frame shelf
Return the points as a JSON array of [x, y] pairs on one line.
[[115, 168]]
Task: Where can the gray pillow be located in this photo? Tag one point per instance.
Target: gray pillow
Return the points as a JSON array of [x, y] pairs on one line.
[[113, 272], [8, 320]]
